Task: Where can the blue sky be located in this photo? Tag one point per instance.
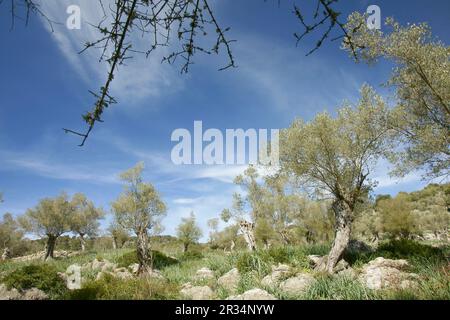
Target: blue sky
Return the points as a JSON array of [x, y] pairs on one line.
[[44, 86]]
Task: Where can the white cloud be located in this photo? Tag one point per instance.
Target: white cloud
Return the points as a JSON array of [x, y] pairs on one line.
[[53, 169], [302, 88], [140, 78]]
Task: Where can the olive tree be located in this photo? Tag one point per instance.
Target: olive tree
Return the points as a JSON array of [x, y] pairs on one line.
[[10, 235], [422, 90], [85, 219], [397, 217], [213, 225], [188, 231], [139, 209], [335, 155], [50, 218], [118, 234]]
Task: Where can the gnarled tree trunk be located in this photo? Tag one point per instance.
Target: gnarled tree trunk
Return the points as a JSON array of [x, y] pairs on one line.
[[83, 242], [114, 243], [143, 253], [233, 244], [50, 247], [285, 237], [185, 247], [249, 236], [342, 234]]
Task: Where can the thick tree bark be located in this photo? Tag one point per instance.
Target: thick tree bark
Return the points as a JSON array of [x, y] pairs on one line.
[[233, 244], [143, 253], [114, 243], [50, 247], [185, 247], [249, 236], [83, 242], [284, 237], [342, 234], [6, 254]]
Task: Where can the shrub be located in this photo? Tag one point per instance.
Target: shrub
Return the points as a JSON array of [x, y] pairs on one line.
[[43, 277], [403, 249], [258, 261], [111, 288], [191, 255], [160, 260], [338, 288]]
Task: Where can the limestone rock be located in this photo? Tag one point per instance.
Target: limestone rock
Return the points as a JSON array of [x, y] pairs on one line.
[[253, 294], [196, 292], [278, 274], [6, 294], [230, 280], [34, 294], [14, 294], [72, 276], [134, 268], [384, 273], [297, 285], [204, 274]]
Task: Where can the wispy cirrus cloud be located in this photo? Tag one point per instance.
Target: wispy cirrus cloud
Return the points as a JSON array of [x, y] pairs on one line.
[[44, 167], [140, 78]]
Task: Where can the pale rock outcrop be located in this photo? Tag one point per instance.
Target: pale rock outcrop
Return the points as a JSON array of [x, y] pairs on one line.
[[204, 274], [230, 280], [14, 294], [278, 274], [134, 268], [34, 294], [297, 285], [191, 292], [253, 294], [384, 273], [40, 255], [6, 294]]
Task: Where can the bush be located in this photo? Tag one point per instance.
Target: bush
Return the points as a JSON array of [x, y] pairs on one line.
[[338, 288], [403, 249], [258, 261], [111, 288], [160, 260], [191, 255], [44, 277], [413, 251]]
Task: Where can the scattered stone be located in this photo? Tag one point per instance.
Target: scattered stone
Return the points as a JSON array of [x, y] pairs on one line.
[[297, 285], [341, 266], [349, 273], [6, 294], [279, 273], [14, 294], [196, 292], [253, 294], [122, 273], [156, 274], [384, 273], [40, 255], [318, 262], [230, 280], [72, 276], [34, 294], [204, 274], [134, 268]]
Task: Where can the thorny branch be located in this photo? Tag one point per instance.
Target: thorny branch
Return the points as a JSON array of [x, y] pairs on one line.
[[160, 21], [324, 15]]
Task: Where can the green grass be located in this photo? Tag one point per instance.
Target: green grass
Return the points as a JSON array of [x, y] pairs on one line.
[[431, 264]]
